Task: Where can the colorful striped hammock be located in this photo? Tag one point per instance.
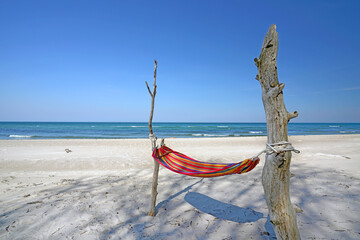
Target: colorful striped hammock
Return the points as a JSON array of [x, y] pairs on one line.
[[182, 164]]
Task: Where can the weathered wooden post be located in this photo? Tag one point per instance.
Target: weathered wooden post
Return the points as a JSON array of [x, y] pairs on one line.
[[153, 144], [276, 171]]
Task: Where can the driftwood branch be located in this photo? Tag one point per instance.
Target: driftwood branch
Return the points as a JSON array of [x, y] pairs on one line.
[[276, 171], [153, 144], [147, 85], [293, 115], [152, 94]]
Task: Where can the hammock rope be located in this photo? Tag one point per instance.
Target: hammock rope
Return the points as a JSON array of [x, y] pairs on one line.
[[277, 148]]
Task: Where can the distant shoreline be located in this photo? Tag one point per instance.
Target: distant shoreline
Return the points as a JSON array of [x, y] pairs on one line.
[[155, 122], [169, 138], [182, 138], [136, 130]]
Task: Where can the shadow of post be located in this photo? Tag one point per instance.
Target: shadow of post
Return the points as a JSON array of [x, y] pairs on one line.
[[269, 228], [222, 210], [160, 204]]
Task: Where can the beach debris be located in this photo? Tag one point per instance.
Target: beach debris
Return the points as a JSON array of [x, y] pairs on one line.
[[298, 209], [344, 185], [27, 195], [57, 230], [35, 202], [7, 228], [148, 226], [67, 150], [227, 238], [65, 181]]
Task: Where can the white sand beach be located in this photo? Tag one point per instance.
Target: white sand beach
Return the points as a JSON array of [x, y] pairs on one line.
[[101, 190]]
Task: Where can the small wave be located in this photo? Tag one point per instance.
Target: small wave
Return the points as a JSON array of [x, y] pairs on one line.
[[92, 126], [20, 136], [347, 131], [222, 126], [255, 132], [334, 126], [130, 126], [209, 135], [215, 135]]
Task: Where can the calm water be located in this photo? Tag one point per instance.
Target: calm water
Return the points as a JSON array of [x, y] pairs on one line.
[[68, 130]]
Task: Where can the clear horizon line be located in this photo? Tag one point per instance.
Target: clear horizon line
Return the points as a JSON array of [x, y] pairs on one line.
[[162, 122]]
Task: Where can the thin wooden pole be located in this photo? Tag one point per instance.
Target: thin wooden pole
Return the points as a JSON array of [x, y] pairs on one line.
[[153, 145]]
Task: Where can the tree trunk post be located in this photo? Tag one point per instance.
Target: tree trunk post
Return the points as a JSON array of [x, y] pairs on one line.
[[276, 171], [153, 145]]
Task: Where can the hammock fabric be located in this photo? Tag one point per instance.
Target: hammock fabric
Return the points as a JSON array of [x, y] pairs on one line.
[[182, 164]]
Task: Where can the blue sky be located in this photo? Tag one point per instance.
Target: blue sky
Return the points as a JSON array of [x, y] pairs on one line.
[[88, 60]]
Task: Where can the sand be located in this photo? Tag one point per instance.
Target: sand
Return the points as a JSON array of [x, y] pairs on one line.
[[101, 190]]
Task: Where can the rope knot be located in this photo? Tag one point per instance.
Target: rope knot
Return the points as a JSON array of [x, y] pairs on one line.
[[152, 137], [277, 148], [280, 147]]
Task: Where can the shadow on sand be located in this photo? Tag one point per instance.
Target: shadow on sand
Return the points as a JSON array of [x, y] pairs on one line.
[[220, 210]]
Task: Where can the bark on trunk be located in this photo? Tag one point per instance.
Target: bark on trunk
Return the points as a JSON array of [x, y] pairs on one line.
[[276, 171], [153, 145]]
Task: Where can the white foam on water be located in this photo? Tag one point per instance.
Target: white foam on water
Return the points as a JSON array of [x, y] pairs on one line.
[[255, 132], [347, 131], [209, 135], [20, 136], [215, 135]]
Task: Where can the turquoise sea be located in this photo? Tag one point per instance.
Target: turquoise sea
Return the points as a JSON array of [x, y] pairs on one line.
[[109, 130]]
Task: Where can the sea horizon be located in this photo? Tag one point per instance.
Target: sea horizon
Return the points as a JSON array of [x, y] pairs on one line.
[[165, 122], [131, 130]]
